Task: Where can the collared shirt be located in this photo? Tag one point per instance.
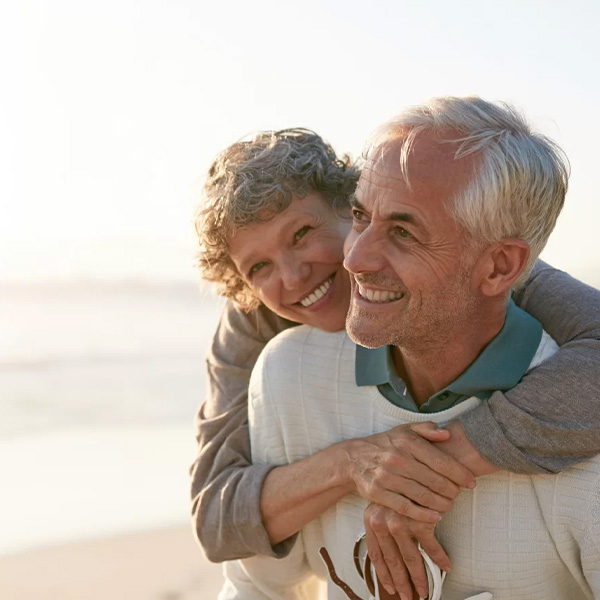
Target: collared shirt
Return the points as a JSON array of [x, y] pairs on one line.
[[500, 366]]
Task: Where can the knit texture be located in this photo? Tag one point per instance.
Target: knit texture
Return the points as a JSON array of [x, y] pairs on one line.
[[517, 536]]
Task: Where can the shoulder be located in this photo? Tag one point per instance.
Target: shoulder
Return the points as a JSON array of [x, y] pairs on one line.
[[546, 348], [302, 355], [303, 342], [260, 324]]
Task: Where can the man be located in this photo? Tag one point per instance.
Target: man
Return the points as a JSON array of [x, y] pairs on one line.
[[455, 203]]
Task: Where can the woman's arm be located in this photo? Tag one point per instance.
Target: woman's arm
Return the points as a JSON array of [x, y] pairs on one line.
[[240, 509], [399, 469], [226, 487], [551, 419]]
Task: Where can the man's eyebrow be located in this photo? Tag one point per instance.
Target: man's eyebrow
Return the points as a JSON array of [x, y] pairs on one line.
[[405, 217], [354, 203], [395, 216]]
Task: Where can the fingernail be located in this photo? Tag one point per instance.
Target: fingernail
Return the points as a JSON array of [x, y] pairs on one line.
[[471, 484], [390, 590], [436, 517], [404, 597]]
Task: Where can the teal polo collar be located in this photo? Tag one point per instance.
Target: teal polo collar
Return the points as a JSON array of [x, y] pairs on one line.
[[500, 366]]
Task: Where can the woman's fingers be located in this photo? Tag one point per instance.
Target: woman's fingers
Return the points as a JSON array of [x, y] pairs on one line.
[[424, 452], [418, 493], [423, 479], [427, 477], [404, 506], [430, 431]]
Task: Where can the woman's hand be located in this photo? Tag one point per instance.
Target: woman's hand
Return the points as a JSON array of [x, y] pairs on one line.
[[402, 470]]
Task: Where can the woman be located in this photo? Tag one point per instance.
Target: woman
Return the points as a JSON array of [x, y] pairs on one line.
[[271, 234]]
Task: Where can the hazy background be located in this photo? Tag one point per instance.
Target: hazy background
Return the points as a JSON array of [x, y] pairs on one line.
[[109, 116]]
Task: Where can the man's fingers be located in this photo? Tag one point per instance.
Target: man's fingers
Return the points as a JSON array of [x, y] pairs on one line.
[[383, 593], [430, 544], [388, 562], [376, 556], [412, 558]]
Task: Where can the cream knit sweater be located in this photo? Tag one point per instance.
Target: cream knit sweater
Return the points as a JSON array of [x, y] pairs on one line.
[[516, 536]]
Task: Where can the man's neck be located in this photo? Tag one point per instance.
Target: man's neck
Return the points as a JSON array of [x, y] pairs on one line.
[[429, 368]]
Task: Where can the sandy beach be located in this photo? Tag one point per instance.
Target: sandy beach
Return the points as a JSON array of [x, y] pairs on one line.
[[164, 564], [108, 402]]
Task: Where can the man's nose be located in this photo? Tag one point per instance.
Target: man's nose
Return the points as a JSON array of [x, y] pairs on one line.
[[363, 252]]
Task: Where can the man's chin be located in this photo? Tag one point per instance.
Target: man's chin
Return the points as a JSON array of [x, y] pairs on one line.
[[364, 333]]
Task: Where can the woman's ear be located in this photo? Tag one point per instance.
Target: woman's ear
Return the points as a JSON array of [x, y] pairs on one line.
[[502, 264]]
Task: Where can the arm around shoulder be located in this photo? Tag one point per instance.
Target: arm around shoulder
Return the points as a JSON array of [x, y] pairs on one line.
[[551, 419], [225, 485]]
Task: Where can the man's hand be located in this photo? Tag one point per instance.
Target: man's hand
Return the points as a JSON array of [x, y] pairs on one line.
[[393, 551], [403, 470]]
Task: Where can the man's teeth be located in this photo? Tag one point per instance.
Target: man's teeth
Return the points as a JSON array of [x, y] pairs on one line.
[[317, 294], [379, 295]]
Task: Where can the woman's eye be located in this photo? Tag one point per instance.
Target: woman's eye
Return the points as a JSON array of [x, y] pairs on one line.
[[301, 232], [256, 268]]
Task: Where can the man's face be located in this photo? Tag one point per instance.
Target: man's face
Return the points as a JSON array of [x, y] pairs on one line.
[[410, 264]]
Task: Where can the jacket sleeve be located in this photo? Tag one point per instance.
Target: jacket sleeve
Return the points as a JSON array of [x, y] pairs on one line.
[[225, 485], [551, 419]]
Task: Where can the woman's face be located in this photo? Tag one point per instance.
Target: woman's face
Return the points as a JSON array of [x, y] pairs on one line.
[[293, 263]]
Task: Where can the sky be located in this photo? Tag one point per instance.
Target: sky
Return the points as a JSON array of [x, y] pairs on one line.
[[111, 112]]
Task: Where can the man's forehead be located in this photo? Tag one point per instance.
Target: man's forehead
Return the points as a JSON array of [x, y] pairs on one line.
[[431, 155]]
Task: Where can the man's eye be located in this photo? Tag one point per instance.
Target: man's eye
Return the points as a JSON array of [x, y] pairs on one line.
[[256, 268], [402, 233], [358, 215], [301, 232]]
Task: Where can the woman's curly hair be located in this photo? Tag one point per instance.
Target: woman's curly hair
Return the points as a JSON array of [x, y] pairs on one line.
[[253, 180]]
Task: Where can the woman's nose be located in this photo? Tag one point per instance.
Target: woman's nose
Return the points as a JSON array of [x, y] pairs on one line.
[[294, 272]]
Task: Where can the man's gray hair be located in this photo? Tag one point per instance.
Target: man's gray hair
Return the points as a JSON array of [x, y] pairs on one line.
[[253, 180], [521, 177]]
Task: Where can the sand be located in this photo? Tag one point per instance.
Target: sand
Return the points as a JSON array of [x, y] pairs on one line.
[[165, 564]]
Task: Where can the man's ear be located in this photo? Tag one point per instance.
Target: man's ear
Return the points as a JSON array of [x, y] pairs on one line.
[[501, 265]]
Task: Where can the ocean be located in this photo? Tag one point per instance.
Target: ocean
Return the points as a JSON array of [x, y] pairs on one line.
[[99, 385]]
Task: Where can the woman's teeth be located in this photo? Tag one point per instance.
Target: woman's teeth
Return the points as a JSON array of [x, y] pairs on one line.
[[379, 296], [317, 294]]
